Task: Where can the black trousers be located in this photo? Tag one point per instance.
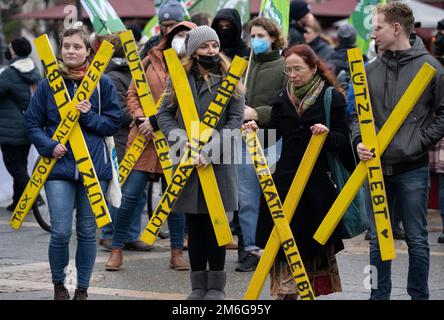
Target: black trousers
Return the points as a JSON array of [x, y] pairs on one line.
[[16, 162], [202, 244]]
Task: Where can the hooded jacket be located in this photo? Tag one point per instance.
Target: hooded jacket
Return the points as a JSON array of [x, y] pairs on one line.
[[232, 43], [388, 79], [15, 93]]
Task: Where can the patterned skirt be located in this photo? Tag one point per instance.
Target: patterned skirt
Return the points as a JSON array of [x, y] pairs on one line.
[[322, 272]]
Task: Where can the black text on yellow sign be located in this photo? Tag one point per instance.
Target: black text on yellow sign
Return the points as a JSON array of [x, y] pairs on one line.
[[280, 220], [290, 204], [374, 167], [184, 169], [67, 126], [149, 108], [385, 136]]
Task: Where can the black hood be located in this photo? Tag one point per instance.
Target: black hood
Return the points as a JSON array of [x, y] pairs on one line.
[[231, 15]]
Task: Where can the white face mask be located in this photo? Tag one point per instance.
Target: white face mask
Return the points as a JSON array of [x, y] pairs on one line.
[[178, 44]]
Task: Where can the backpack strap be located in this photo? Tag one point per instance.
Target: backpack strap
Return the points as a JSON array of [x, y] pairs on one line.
[[327, 105]]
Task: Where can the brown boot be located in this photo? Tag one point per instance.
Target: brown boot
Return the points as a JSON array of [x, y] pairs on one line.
[[115, 260], [177, 262]]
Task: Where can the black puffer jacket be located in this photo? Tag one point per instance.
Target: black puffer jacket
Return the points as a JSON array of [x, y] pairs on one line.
[[232, 43], [120, 74], [15, 94]]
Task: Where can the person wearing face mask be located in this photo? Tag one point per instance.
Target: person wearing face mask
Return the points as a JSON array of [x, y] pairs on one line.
[[148, 167], [99, 117], [16, 83], [228, 26], [170, 13], [298, 114], [264, 79], [205, 67]]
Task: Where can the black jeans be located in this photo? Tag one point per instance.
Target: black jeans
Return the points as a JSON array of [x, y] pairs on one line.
[[202, 244], [16, 162]]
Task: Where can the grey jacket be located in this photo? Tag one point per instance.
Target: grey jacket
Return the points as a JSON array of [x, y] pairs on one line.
[[388, 79], [191, 200]]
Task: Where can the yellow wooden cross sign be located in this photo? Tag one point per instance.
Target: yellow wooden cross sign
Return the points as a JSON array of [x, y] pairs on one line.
[[149, 108], [291, 202], [386, 134], [374, 167], [185, 167], [68, 129], [286, 238]]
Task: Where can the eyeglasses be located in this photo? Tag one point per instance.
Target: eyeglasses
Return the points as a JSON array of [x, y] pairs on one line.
[[296, 69]]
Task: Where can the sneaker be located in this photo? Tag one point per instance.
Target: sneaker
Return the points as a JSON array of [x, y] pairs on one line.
[[107, 244], [137, 245], [248, 263], [441, 238], [60, 292], [80, 294]]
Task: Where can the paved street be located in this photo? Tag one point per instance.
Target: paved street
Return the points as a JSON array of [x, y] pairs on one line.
[[24, 269]]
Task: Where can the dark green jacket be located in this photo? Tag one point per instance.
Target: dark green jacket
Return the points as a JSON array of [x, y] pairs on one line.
[[15, 94], [265, 79]]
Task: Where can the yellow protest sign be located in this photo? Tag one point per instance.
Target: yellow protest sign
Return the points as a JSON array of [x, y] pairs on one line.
[[291, 202], [149, 108], [185, 167], [374, 167], [68, 125], [281, 223], [388, 131]]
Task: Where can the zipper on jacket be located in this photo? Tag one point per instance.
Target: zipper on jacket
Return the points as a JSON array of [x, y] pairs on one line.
[[331, 179]]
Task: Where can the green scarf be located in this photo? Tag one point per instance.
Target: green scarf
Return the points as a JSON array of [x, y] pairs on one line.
[[304, 97]]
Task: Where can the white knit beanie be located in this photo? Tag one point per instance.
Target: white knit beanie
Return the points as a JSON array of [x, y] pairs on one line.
[[197, 36]]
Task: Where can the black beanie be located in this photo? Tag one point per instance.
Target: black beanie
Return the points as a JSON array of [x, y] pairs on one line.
[[21, 46], [299, 9], [440, 25]]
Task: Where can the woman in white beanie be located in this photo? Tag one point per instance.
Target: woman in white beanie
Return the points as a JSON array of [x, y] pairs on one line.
[[205, 67]]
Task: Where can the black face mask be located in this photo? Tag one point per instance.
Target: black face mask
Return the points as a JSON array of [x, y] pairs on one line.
[[208, 62], [8, 55], [228, 38], [439, 44]]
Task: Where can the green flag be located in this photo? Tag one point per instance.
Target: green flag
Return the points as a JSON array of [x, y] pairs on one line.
[[361, 20], [103, 17], [277, 10]]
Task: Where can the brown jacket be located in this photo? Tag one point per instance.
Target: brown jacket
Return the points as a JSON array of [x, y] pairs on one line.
[[156, 75]]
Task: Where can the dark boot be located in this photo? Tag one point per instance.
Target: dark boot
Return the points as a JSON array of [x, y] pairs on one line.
[[80, 294], [60, 292], [216, 281], [198, 285]]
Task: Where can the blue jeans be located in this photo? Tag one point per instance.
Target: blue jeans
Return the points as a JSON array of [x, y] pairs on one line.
[[441, 196], [136, 225], [131, 193], [63, 197], [408, 192], [250, 193]]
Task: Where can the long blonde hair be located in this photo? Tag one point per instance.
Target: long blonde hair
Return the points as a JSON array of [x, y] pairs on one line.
[[224, 66]]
